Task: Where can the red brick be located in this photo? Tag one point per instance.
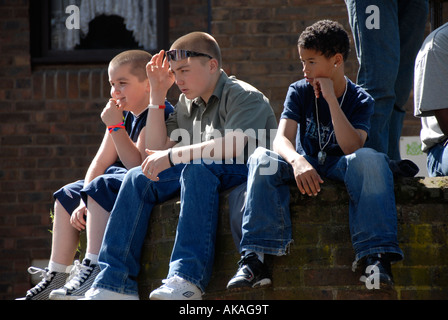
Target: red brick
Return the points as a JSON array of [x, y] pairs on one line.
[[51, 111]]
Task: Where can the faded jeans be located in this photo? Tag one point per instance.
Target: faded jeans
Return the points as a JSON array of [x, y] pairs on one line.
[[192, 258], [266, 225], [437, 161]]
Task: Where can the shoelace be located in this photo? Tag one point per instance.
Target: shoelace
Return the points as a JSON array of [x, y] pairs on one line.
[[177, 283], [81, 273], [246, 259], [46, 278], [168, 283]]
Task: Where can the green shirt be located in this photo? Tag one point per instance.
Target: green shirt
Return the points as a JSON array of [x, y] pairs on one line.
[[233, 105]]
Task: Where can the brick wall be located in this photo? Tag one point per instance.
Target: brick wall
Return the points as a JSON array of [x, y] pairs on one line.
[[319, 264], [259, 40], [51, 128], [50, 131]]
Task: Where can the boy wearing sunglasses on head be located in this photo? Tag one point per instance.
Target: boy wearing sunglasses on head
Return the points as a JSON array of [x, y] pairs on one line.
[[199, 151]]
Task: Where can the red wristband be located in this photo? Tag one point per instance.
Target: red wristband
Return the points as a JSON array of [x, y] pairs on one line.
[[116, 127], [154, 106]]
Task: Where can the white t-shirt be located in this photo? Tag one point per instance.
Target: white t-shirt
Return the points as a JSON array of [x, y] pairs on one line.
[[431, 85]]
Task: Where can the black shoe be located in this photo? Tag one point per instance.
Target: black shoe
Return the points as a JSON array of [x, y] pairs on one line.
[[252, 273], [403, 168], [378, 274]]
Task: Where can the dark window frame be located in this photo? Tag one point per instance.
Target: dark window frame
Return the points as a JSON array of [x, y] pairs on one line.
[[42, 54]]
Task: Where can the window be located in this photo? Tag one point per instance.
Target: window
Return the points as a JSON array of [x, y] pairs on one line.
[[94, 31]]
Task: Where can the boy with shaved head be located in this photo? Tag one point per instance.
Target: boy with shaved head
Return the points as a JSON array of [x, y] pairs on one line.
[[198, 152]]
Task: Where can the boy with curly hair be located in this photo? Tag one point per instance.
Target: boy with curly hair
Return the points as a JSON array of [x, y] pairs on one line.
[[322, 131]]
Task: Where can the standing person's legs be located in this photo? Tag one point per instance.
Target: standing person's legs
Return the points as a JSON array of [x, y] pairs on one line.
[[377, 41], [412, 17]]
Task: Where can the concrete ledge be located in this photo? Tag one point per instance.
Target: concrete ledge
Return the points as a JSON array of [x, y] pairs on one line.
[[319, 264]]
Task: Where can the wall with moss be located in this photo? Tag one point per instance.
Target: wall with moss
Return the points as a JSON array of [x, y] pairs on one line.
[[319, 263]]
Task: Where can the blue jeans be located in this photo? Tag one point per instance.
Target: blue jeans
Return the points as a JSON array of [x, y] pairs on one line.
[[372, 213], [386, 59], [437, 161], [199, 186], [194, 248]]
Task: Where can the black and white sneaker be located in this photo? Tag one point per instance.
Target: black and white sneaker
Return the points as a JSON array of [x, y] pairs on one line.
[[252, 273], [75, 289], [50, 282]]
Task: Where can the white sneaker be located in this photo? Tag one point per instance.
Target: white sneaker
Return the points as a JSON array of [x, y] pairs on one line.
[[103, 294], [176, 288]]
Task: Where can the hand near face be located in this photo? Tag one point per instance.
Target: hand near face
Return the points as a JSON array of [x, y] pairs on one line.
[[323, 86], [112, 113], [159, 73]]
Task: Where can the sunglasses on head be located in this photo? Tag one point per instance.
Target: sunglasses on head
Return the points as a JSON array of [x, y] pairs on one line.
[[175, 55]]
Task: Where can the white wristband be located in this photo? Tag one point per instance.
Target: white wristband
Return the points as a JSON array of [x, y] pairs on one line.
[[154, 106]]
